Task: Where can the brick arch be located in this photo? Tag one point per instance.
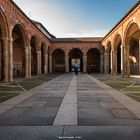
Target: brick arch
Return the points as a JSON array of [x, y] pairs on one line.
[[23, 33], [52, 51], [132, 36], [19, 39], [4, 27], [131, 24], [58, 60], [117, 40], [82, 51], [76, 56], [108, 46], [93, 60]]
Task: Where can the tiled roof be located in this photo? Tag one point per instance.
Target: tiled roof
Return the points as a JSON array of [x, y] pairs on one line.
[[86, 39]]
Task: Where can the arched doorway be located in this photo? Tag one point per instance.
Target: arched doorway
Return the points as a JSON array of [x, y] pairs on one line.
[[75, 57], [33, 44], [117, 49], [132, 49], [58, 61], [18, 52], [134, 56], [42, 58], [93, 61]]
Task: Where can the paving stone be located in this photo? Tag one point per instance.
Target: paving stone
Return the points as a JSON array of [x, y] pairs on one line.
[[96, 113], [111, 105], [88, 105], [123, 114]]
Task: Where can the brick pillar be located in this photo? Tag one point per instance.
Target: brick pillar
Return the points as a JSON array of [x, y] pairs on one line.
[[139, 56], [38, 63], [66, 63], [115, 62], [26, 62], [5, 59], [127, 68], [84, 63], [106, 62], [11, 59], [50, 64], [29, 61], [101, 63], [45, 63], [112, 62], [122, 61]]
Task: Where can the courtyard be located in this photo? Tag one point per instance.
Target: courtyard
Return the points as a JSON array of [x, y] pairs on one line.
[[70, 107]]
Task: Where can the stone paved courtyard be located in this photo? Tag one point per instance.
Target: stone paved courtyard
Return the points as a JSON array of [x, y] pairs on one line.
[[70, 107]]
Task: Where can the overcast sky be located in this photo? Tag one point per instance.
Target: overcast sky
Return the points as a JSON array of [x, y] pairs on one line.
[[76, 18]]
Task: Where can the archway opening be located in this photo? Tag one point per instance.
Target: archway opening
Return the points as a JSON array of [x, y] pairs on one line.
[[93, 61], [18, 52], [75, 57], [33, 56], [42, 58], [58, 61], [134, 56], [117, 49], [132, 49]]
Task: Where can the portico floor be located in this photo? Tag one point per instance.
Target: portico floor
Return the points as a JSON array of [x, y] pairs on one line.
[[70, 107]]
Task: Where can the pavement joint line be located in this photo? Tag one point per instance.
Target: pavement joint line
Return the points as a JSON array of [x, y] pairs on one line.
[[9, 104], [128, 102], [67, 113]]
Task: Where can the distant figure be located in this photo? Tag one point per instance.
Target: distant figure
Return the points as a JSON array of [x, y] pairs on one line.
[[76, 69]]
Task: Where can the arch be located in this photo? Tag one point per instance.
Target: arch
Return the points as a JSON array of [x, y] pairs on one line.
[[132, 36], [75, 57], [93, 60], [43, 52], [33, 44], [58, 61], [18, 51], [117, 49]]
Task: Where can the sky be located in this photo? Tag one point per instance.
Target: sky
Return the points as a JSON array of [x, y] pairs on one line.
[[76, 18]]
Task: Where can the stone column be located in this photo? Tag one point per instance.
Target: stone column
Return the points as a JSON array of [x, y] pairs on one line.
[[29, 61], [26, 62], [11, 59], [127, 68], [45, 63], [84, 63], [106, 62], [115, 62], [50, 64], [112, 71], [5, 59], [66, 63], [122, 61], [101, 63], [38, 63]]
